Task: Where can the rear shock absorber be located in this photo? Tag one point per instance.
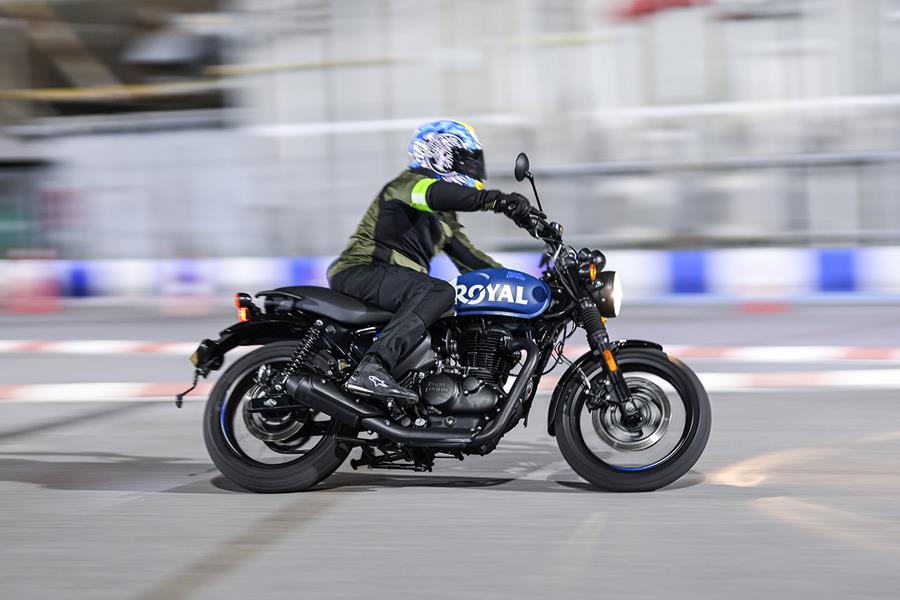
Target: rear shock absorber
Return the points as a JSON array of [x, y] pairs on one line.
[[303, 350]]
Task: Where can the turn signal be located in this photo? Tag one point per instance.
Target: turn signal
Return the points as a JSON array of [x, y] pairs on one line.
[[592, 271], [610, 361], [243, 314]]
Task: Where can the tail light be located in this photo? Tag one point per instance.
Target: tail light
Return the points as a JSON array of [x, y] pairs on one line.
[[245, 307]]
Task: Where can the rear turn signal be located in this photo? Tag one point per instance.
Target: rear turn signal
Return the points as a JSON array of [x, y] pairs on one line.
[[246, 309]]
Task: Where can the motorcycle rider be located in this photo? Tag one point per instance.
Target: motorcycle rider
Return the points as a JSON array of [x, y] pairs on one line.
[[387, 260]]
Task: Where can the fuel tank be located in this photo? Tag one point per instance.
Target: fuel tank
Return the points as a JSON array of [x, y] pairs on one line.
[[500, 292]]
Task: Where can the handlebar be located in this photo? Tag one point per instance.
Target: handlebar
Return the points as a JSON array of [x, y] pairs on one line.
[[538, 226]]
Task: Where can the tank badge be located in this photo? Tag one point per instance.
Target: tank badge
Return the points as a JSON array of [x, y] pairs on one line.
[[493, 292]]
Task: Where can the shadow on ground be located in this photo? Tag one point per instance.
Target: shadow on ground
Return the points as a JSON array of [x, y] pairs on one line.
[[105, 471], [112, 471]]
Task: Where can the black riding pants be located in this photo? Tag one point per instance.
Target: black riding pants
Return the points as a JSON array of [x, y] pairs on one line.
[[417, 299]]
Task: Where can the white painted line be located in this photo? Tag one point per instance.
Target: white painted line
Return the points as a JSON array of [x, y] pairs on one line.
[[94, 347], [74, 392], [105, 347], [781, 354], [885, 379], [881, 379], [740, 354], [10, 346]]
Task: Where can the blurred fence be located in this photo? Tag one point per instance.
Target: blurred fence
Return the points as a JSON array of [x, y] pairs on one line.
[[648, 275], [666, 129], [188, 186]]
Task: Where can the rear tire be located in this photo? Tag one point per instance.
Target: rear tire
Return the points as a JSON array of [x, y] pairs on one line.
[[607, 477], [301, 474]]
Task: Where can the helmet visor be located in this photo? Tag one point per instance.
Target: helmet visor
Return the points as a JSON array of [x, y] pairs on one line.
[[469, 163]]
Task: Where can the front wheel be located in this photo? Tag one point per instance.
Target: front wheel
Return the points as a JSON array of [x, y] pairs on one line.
[[621, 455]]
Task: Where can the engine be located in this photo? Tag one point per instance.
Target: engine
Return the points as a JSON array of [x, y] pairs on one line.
[[452, 393], [481, 350], [463, 393]]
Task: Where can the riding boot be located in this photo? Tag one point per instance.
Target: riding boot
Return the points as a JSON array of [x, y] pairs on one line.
[[372, 378]]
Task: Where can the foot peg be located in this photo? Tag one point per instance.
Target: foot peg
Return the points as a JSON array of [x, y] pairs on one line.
[[398, 414]]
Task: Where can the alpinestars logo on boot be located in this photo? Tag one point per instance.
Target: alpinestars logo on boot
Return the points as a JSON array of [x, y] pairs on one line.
[[377, 381]]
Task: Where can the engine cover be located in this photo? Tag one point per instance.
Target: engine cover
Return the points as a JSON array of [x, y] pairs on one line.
[[453, 394]]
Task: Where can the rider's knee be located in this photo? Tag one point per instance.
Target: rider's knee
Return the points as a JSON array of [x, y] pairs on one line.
[[438, 298], [444, 295]]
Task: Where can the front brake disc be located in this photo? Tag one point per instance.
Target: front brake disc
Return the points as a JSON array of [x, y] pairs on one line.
[[655, 410]]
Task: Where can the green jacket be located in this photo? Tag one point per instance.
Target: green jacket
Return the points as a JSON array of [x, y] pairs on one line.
[[412, 219]]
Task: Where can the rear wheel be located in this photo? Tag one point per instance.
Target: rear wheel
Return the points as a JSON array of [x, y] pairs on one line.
[[622, 454], [263, 441]]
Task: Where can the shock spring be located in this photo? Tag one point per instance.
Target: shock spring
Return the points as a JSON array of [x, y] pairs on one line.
[[303, 349]]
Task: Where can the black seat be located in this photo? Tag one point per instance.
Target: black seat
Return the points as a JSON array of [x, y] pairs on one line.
[[329, 303]]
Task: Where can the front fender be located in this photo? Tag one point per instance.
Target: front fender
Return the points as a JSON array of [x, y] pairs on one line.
[[210, 354], [572, 371]]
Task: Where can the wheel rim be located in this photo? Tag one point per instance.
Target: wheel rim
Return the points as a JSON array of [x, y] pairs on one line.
[[269, 439], [655, 410], [263, 419], [665, 432]]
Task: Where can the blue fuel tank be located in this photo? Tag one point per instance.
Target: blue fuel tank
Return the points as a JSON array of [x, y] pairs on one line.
[[500, 292]]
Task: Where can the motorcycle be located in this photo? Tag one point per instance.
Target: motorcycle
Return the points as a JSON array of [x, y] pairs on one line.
[[627, 416]]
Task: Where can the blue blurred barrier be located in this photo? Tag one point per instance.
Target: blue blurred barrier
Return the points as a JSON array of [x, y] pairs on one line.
[[738, 273]]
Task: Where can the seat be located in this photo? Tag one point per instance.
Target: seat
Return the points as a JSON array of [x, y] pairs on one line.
[[330, 304]]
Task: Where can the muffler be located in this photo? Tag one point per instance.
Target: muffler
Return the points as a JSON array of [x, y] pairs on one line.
[[323, 395]]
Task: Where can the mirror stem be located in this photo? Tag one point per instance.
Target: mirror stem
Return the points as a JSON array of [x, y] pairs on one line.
[[534, 189]]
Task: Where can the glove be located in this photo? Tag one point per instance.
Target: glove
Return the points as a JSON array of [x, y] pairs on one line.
[[515, 206]]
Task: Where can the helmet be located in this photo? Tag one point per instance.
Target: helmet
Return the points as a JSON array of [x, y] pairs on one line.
[[451, 150]]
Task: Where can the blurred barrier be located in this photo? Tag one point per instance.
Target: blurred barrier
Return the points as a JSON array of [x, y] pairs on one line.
[[739, 274], [29, 281]]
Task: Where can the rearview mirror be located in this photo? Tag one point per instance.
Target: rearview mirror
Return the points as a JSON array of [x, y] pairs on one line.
[[522, 166]]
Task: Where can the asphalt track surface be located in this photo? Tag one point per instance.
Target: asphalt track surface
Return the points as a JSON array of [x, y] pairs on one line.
[[795, 497]]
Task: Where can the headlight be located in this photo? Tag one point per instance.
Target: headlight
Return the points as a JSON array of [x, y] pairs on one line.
[[607, 294]]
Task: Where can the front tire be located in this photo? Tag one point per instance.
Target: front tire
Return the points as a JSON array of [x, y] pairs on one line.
[[599, 470], [292, 475]]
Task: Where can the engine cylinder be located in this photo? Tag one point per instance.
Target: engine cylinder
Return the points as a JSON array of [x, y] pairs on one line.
[[482, 351]]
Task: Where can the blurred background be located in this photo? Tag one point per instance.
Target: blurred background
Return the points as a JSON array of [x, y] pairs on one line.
[[154, 145], [736, 159]]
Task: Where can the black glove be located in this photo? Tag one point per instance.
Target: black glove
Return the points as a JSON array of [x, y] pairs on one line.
[[515, 206]]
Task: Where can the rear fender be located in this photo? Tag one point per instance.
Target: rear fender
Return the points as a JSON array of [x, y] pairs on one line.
[[585, 358], [210, 354]]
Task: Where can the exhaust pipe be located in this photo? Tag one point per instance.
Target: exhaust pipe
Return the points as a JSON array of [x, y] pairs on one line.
[[323, 395]]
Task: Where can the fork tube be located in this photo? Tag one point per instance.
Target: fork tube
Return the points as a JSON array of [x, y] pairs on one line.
[[598, 339]]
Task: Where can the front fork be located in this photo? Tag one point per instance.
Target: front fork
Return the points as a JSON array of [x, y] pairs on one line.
[[616, 388]]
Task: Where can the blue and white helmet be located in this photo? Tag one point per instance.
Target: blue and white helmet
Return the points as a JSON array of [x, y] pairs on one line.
[[451, 150]]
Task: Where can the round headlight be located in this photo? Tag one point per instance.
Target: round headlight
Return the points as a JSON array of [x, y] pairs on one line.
[[609, 294]]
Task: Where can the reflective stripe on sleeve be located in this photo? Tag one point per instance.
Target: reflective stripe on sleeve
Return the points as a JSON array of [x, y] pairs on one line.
[[418, 194]]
